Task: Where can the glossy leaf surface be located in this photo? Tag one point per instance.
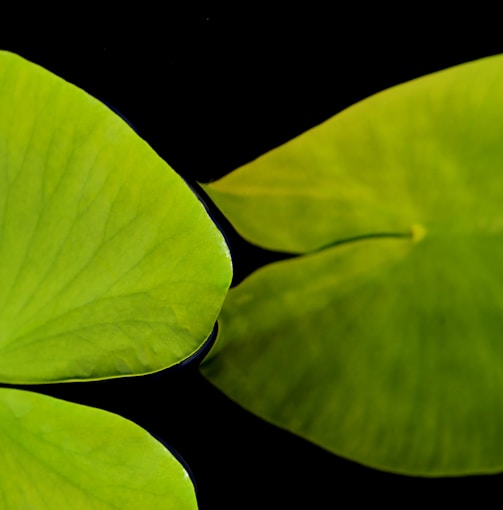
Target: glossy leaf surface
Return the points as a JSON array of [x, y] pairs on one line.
[[384, 344], [109, 265], [55, 454]]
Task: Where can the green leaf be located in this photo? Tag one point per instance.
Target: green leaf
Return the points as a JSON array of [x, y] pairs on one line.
[[383, 344], [109, 265], [56, 454], [425, 151]]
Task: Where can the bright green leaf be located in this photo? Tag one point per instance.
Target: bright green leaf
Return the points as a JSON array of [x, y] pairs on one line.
[[55, 454], [428, 151], [385, 346], [109, 265]]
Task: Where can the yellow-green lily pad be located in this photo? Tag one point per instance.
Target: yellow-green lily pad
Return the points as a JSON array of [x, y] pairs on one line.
[[383, 342]]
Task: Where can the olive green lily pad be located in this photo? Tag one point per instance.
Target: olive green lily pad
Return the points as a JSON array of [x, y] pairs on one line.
[[384, 342], [109, 265], [55, 454]]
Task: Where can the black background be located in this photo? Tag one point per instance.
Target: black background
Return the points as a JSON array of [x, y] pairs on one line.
[[210, 90]]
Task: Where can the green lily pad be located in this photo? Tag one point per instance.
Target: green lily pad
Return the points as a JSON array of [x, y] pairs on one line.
[[109, 265], [383, 343], [56, 454]]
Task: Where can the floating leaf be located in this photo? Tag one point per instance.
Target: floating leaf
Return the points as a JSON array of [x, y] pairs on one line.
[[55, 454], [383, 343], [109, 265]]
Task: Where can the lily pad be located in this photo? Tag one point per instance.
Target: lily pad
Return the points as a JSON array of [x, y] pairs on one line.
[[109, 264], [56, 454], [383, 343]]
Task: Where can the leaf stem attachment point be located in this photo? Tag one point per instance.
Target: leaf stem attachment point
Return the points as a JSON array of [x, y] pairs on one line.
[[417, 232]]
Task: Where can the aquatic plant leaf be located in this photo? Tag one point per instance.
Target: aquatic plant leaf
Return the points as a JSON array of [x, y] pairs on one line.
[[109, 264], [382, 342], [56, 454]]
